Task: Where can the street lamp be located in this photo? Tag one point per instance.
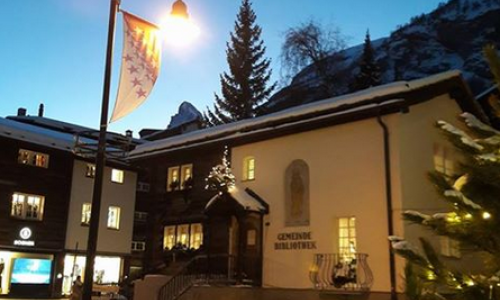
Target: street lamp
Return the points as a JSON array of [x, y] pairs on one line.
[[179, 10]]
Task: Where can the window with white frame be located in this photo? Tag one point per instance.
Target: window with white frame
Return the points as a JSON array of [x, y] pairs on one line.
[[186, 176], [347, 237], [90, 171], [117, 175], [450, 247], [138, 246], [86, 209], [443, 160], [173, 179], [249, 168], [114, 217], [26, 206], [33, 158]]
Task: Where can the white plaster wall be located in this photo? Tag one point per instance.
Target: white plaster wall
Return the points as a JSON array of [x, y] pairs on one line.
[[346, 179], [114, 194]]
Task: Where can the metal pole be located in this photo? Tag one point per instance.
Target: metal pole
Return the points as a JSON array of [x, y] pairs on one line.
[[100, 159]]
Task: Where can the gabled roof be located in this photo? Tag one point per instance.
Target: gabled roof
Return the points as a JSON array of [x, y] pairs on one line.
[[245, 198], [382, 99]]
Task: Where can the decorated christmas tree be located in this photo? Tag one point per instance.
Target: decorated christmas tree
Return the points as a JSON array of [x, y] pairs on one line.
[[472, 220], [221, 177]]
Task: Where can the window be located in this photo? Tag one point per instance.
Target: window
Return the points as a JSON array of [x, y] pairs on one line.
[[169, 237], [186, 176], [196, 238], [90, 172], [143, 186], [450, 247], [25, 206], [173, 181], [86, 209], [347, 237], [114, 217], [249, 168], [117, 176], [140, 216], [443, 160], [185, 236], [138, 246], [32, 158]]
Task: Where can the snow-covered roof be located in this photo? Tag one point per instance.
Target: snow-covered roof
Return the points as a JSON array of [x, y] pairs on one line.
[[37, 135], [243, 198], [342, 104]]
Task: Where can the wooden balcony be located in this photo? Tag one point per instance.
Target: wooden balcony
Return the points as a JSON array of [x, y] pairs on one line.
[[341, 273]]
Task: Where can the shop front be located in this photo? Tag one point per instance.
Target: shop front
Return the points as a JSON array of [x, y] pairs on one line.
[[108, 271]]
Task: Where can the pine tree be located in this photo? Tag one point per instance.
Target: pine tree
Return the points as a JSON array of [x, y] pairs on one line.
[[245, 86], [369, 71], [473, 218]]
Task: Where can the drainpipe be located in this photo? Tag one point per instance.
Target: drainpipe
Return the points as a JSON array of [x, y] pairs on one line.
[[388, 192]]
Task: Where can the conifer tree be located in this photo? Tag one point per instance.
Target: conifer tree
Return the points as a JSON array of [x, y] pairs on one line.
[[473, 218], [369, 71], [245, 86]]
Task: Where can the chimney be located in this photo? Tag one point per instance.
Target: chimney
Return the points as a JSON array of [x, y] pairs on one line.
[[128, 133], [40, 110], [21, 112]]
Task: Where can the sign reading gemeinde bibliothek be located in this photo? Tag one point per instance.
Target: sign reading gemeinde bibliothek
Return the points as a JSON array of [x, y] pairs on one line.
[[295, 241]]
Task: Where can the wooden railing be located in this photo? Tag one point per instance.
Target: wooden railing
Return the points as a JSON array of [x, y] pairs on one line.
[[201, 269], [341, 272]]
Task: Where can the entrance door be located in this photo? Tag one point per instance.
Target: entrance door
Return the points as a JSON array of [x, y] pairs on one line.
[[233, 251]]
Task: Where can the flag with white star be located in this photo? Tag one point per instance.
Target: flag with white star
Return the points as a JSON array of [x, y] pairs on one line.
[[140, 64]]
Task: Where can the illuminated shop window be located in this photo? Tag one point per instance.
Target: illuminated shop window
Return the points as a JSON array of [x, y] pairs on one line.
[[90, 171], [117, 176], [86, 209], [186, 176], [183, 235], [347, 237], [33, 158], [114, 217], [25, 206], [443, 160], [173, 179], [249, 168]]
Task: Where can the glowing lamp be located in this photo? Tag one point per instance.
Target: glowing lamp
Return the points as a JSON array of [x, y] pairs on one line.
[[178, 28], [179, 9], [486, 215]]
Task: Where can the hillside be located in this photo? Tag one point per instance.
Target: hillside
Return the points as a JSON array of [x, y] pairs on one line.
[[450, 37]]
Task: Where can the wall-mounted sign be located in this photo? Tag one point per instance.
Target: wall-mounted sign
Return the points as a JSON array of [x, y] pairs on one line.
[[295, 241], [25, 234]]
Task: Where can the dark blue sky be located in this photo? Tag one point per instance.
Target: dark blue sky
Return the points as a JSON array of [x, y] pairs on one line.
[[53, 50]]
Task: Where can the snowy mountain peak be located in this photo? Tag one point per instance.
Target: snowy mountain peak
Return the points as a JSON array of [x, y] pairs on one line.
[[186, 114]]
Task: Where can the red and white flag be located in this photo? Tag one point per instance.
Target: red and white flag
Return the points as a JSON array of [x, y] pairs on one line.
[[140, 64]]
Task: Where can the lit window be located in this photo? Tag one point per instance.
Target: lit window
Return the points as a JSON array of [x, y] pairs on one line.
[[183, 235], [443, 161], [196, 238], [186, 176], [450, 247], [249, 168], [32, 158], [90, 172], [25, 206], [169, 237], [114, 217], [86, 209], [117, 176], [173, 181], [347, 237], [138, 246]]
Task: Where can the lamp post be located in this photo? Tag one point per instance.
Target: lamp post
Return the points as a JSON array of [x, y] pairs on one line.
[[179, 9]]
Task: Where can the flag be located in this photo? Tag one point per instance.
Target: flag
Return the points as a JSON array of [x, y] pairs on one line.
[[140, 64]]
